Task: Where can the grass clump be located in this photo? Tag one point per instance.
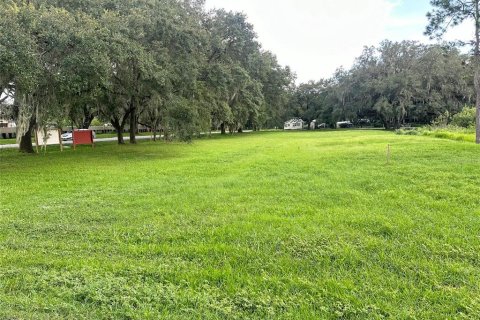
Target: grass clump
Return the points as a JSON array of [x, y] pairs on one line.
[[302, 225], [444, 132]]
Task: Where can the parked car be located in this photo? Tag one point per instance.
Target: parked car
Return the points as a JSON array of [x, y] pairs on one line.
[[67, 136]]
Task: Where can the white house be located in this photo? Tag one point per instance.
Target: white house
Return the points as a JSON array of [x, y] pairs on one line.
[[293, 124]]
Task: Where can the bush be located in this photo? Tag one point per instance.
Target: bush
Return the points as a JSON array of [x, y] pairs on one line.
[[96, 122], [465, 119]]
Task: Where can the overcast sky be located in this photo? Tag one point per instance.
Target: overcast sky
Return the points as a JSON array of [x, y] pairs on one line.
[[315, 37]]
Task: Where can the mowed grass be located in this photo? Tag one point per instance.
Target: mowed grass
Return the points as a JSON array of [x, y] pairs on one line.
[[302, 225], [7, 141]]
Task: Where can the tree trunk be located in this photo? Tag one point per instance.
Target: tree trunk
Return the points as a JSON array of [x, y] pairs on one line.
[[87, 121], [385, 123], [133, 128], [222, 128], [154, 132], [240, 130], [477, 104], [396, 123], [476, 52], [477, 69], [478, 120], [26, 145], [133, 123], [120, 136], [119, 129]]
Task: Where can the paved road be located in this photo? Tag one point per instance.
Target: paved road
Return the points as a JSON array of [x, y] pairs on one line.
[[14, 146]]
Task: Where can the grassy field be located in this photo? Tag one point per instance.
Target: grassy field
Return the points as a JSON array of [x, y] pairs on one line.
[[7, 141], [303, 225]]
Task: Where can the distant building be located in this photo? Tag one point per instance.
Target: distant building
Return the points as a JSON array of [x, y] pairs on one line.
[[293, 124], [7, 124], [7, 129]]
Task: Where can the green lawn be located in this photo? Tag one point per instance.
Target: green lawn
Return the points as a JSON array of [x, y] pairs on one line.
[[7, 141], [303, 225]]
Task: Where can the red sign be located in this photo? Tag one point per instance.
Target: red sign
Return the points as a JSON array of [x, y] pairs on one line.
[[82, 137]]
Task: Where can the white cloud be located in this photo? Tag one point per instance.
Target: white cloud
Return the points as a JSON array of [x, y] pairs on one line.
[[315, 37], [464, 32]]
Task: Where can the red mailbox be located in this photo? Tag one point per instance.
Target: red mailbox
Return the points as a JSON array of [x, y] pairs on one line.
[[82, 137]]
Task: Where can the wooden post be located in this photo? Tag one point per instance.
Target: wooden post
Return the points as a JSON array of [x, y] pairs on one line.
[[388, 154]]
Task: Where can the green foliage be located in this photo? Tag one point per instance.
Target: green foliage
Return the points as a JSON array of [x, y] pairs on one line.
[[125, 61], [466, 118], [181, 116], [97, 122], [450, 13], [306, 225], [442, 120], [394, 83], [449, 132]]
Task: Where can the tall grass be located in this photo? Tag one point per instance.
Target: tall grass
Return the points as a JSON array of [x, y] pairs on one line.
[[443, 132]]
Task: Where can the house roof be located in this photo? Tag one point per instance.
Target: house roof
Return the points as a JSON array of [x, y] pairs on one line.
[[294, 121]]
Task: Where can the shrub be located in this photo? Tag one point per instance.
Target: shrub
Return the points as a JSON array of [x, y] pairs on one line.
[[97, 123], [465, 119]]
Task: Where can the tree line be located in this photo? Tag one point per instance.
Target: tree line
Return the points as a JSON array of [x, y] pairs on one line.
[[391, 85], [175, 67], [168, 64], [396, 83]]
